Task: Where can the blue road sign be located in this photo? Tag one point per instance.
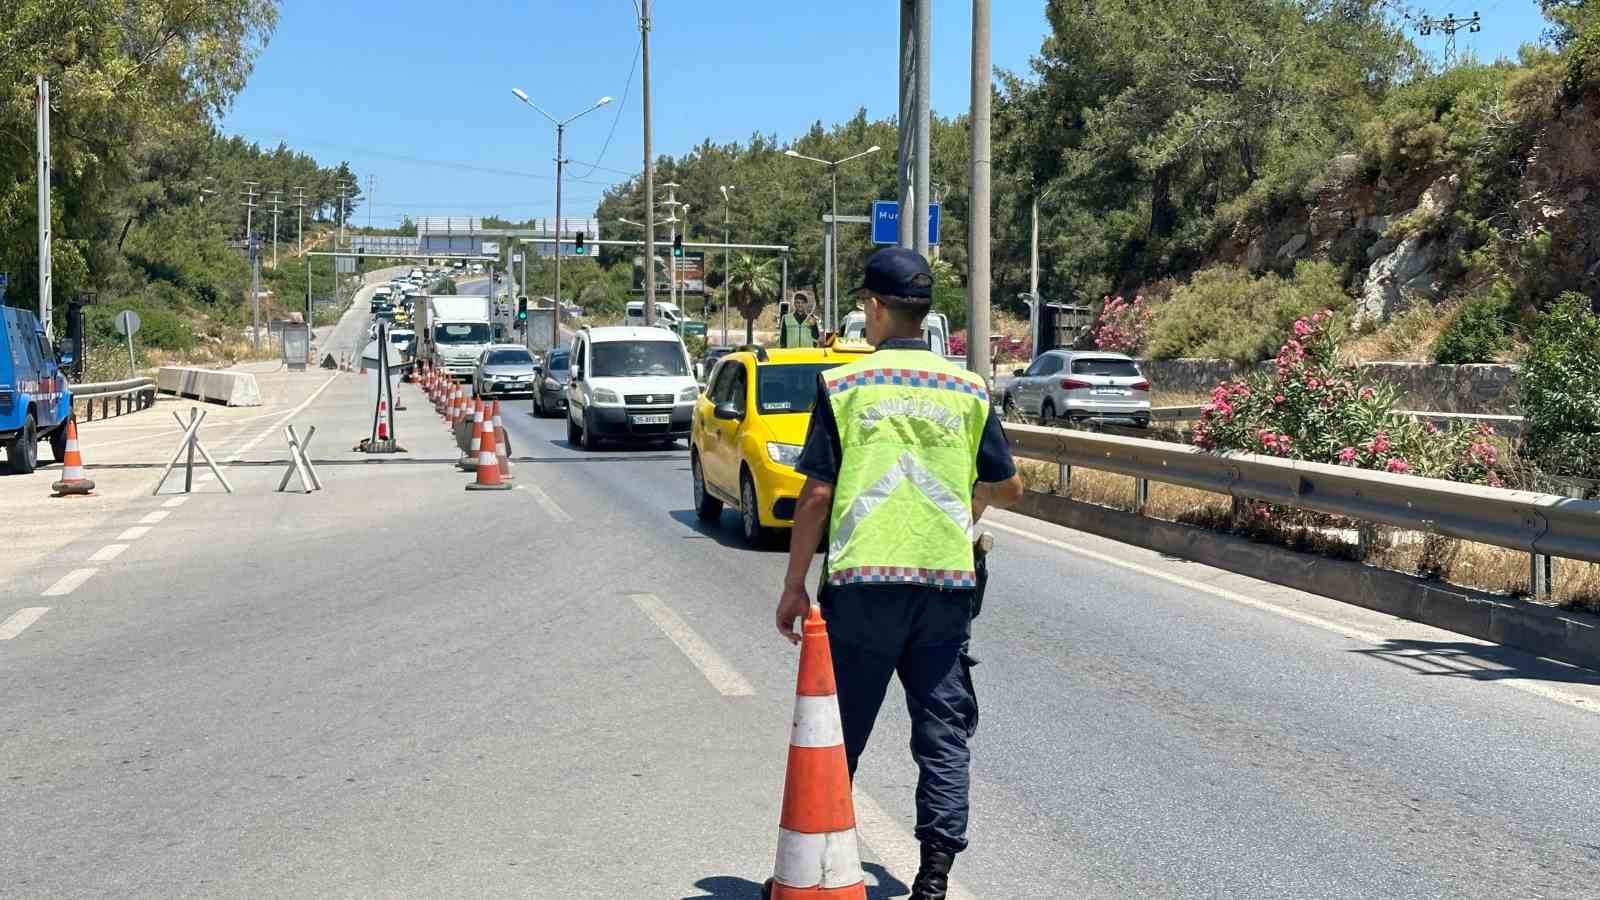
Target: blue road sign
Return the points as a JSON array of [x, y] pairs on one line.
[[886, 222], [5, 281]]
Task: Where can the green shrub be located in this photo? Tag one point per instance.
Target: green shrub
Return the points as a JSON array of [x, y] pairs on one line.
[[1480, 332], [1560, 390], [1225, 313]]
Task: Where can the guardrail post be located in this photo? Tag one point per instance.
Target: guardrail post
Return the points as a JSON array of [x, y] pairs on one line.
[[88, 410], [105, 407], [1541, 576], [1141, 495], [1064, 480]]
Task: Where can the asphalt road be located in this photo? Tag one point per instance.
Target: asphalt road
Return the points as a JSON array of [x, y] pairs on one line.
[[398, 688]]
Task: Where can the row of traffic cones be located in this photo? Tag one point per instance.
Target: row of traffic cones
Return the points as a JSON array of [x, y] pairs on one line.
[[476, 423]]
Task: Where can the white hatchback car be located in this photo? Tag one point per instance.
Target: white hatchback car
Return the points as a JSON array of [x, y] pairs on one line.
[[630, 385], [1079, 386]]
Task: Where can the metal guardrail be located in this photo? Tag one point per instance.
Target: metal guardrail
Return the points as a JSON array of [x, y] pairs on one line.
[[1542, 525], [129, 395]]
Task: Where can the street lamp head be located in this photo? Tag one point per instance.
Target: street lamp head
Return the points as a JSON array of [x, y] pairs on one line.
[[791, 152], [874, 148], [521, 94], [602, 101]]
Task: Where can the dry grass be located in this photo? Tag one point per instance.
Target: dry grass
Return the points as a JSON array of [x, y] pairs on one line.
[[1576, 585], [1408, 337]]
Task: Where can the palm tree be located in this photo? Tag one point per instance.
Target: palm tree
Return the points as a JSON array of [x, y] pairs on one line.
[[752, 283]]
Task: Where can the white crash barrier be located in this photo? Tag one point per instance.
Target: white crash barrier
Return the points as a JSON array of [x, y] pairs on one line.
[[210, 385]]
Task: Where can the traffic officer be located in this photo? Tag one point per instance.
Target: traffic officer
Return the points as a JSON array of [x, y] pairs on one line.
[[903, 455]]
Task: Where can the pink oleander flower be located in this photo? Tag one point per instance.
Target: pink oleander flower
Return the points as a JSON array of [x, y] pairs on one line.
[[1380, 442], [1347, 455], [1301, 329], [1399, 466], [1278, 399]]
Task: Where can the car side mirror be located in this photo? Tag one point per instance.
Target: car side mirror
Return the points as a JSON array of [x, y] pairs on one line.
[[727, 412], [1017, 373]]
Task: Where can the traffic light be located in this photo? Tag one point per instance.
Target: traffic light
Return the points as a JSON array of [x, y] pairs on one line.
[[522, 309], [577, 245], [677, 245]]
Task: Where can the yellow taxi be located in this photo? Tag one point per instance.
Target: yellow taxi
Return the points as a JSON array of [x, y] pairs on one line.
[[749, 425]]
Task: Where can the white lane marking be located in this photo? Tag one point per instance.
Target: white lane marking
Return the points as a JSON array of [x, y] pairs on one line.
[[175, 502], [108, 553], [1537, 688], [278, 423], [20, 620], [722, 676], [69, 582], [550, 506], [894, 846], [134, 533], [153, 517]]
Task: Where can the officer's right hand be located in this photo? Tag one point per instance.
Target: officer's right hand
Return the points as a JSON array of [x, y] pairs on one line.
[[794, 604]]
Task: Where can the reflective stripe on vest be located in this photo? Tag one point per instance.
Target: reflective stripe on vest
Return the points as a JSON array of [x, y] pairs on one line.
[[909, 426]]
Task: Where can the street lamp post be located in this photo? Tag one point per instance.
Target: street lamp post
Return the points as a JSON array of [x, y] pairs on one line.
[[833, 257], [727, 256], [561, 129]]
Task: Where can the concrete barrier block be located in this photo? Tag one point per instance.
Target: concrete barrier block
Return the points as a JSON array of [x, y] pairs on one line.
[[210, 385]]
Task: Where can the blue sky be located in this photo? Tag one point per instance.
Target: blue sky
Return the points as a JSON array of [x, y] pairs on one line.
[[419, 94]]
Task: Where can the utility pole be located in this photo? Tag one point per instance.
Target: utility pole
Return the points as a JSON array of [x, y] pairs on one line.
[[344, 187], [672, 261], [372, 188], [978, 316], [907, 149], [1449, 25], [300, 240], [727, 257], [46, 278], [649, 171], [250, 248], [919, 219], [276, 205]]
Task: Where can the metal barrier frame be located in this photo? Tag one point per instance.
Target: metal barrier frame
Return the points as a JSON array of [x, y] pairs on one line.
[[139, 393], [1541, 525]]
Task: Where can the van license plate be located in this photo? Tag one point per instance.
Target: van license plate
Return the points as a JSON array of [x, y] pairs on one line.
[[651, 420]]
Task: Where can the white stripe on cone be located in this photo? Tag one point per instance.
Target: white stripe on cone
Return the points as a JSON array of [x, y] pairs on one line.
[[485, 458], [816, 722], [831, 860]]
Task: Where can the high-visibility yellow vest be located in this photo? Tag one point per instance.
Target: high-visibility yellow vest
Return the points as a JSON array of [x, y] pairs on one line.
[[910, 424], [796, 333]]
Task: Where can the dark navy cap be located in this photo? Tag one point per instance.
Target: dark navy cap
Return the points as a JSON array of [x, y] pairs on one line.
[[897, 272]]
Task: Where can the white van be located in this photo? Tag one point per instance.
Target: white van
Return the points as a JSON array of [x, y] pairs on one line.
[[667, 314], [628, 384]]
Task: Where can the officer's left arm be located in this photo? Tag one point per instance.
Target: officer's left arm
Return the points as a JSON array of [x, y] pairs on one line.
[[998, 481], [810, 517]]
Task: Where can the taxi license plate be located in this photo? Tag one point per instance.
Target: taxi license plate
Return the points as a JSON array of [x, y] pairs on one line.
[[651, 420]]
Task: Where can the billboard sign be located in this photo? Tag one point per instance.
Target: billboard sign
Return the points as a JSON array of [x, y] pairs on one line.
[[491, 248]]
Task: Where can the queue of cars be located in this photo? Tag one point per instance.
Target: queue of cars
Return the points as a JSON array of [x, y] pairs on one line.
[[746, 426]]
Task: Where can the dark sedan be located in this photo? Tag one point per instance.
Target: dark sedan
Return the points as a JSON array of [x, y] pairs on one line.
[[551, 395]]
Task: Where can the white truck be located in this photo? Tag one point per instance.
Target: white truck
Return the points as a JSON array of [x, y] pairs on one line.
[[453, 330]]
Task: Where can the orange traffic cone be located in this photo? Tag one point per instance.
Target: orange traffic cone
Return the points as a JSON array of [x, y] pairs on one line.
[[73, 482], [383, 419], [488, 470], [474, 446], [502, 445], [817, 852]]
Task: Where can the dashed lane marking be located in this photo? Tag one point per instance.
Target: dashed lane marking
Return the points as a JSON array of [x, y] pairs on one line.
[[550, 506], [108, 553], [134, 533], [175, 502], [155, 516], [69, 582], [722, 676], [894, 846], [1530, 686], [20, 620]]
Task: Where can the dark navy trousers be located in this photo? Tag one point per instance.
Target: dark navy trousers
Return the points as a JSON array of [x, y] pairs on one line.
[[921, 634]]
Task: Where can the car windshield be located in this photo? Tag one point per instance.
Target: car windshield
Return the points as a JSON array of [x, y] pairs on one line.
[[615, 359], [1118, 368], [462, 333], [559, 362], [788, 388], [509, 358]]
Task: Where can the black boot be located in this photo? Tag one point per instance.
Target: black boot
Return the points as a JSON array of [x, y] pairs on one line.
[[933, 878]]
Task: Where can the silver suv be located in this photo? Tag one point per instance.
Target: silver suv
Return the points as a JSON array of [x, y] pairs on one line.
[[1080, 386]]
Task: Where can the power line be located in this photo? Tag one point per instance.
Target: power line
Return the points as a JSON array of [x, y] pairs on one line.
[[626, 90]]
